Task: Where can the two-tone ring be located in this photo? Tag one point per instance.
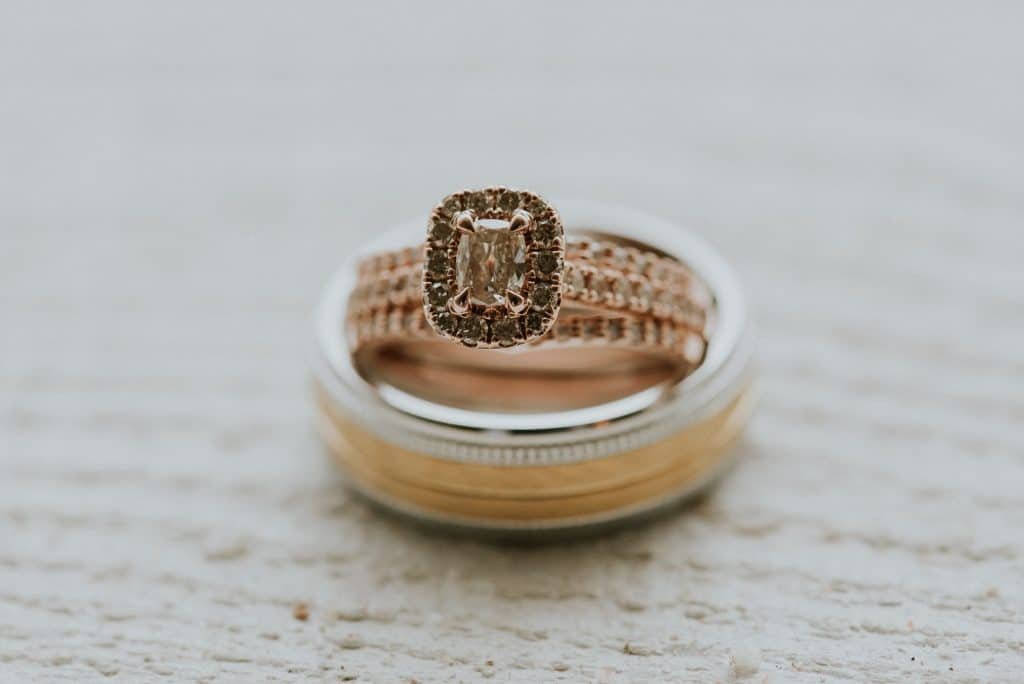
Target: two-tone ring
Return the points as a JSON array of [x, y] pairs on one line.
[[523, 369]]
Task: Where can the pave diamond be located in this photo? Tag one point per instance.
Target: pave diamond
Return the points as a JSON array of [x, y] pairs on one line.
[[437, 263], [542, 296], [441, 231], [505, 332], [437, 294], [491, 261], [547, 262]]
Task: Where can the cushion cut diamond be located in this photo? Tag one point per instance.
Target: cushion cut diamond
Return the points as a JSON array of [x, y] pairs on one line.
[[489, 262]]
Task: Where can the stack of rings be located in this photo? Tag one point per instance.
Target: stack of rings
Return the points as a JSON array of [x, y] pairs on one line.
[[521, 372]]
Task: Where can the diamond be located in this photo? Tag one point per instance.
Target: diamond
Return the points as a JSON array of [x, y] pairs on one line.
[[447, 323], [489, 262], [619, 258], [644, 293], [509, 201], [547, 262], [542, 296], [621, 287], [505, 332], [473, 329], [546, 231], [534, 323], [438, 294], [479, 203], [452, 205], [575, 281], [441, 231], [437, 263], [535, 206]]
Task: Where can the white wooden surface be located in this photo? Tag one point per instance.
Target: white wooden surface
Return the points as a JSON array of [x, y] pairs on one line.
[[177, 179]]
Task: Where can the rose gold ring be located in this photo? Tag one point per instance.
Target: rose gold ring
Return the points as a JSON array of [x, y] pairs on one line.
[[518, 375], [497, 271]]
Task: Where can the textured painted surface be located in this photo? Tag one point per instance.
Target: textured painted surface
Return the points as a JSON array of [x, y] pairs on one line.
[[176, 182]]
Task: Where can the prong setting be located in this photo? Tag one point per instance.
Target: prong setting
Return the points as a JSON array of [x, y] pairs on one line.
[[521, 221], [460, 303], [504, 245], [465, 222], [516, 303]]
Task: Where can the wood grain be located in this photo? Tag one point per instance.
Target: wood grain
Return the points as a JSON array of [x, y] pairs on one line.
[[177, 180]]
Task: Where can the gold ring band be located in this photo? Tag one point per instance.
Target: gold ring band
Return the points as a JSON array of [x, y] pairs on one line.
[[543, 495]]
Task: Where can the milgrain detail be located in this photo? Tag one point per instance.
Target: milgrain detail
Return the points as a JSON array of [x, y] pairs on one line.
[[571, 452]]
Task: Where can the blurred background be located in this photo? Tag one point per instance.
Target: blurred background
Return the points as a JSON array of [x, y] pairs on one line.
[[177, 180], [180, 169]]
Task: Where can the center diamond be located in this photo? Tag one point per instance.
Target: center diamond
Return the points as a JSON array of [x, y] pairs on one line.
[[490, 261]]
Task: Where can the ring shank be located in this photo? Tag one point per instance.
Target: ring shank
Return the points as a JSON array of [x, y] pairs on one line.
[[541, 496], [552, 380], [632, 318]]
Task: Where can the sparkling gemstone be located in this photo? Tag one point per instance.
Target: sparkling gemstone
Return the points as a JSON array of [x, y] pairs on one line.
[[438, 294], [534, 323], [452, 205], [546, 231], [437, 263], [473, 328], [547, 262], [576, 281], [535, 206], [441, 231], [619, 258], [621, 287], [491, 261], [448, 323], [509, 201], [644, 293], [504, 332], [542, 296], [479, 202]]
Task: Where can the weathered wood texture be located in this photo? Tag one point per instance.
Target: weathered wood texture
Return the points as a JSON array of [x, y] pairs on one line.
[[177, 179]]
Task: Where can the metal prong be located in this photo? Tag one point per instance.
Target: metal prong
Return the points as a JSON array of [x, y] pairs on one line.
[[465, 222], [515, 302], [521, 221], [459, 304]]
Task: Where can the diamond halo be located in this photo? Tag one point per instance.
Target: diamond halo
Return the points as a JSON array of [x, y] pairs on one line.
[[494, 262]]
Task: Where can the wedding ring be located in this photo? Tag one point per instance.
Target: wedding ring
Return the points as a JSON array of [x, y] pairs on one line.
[[526, 370]]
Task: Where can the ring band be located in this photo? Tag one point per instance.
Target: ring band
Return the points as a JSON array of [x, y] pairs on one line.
[[613, 294], [577, 461], [499, 270], [585, 492]]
